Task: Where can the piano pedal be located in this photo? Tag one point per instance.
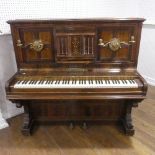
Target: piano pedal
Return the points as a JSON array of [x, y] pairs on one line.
[[84, 126], [71, 126]]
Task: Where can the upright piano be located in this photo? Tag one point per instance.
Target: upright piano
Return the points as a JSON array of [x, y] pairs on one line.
[[77, 71]]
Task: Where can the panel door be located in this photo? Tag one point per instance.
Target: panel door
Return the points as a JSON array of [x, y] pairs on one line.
[[35, 45], [116, 43]]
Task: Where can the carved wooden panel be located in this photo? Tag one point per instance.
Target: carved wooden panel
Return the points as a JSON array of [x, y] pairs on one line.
[[124, 35], [28, 37], [73, 45], [79, 110]]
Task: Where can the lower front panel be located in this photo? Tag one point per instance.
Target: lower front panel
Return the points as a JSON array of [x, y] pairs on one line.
[[77, 110]]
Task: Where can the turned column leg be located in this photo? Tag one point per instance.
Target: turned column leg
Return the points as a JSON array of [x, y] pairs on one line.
[[27, 122]]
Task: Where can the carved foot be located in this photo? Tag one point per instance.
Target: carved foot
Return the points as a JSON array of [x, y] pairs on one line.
[[26, 131], [129, 131], [128, 127], [27, 128], [27, 125]]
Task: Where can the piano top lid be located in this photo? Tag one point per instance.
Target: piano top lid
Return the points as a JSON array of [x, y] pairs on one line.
[[58, 20]]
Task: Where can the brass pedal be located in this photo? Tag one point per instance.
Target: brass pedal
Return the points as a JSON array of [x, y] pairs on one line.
[[84, 126], [71, 126]]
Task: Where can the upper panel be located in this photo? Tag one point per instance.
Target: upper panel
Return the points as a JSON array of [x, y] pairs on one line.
[[117, 43], [75, 44], [49, 43], [35, 44]]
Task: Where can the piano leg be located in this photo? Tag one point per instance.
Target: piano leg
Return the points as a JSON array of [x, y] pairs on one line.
[[27, 122], [127, 121]]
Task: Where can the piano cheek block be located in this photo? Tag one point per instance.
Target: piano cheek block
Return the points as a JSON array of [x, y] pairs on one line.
[[79, 74]]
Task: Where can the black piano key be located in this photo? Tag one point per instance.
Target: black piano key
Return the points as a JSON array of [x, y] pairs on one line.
[[18, 82], [130, 81], [23, 82], [133, 81], [34, 82], [31, 82]]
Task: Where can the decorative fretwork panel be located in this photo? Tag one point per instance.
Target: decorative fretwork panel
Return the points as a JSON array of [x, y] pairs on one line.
[[72, 45], [75, 46]]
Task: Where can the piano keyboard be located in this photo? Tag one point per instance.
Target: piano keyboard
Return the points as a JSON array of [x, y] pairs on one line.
[[51, 84]]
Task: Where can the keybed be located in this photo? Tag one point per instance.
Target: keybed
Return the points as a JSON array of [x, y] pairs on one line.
[[75, 82]]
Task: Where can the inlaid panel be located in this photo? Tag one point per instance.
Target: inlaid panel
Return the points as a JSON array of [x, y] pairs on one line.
[[123, 38], [36, 45]]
